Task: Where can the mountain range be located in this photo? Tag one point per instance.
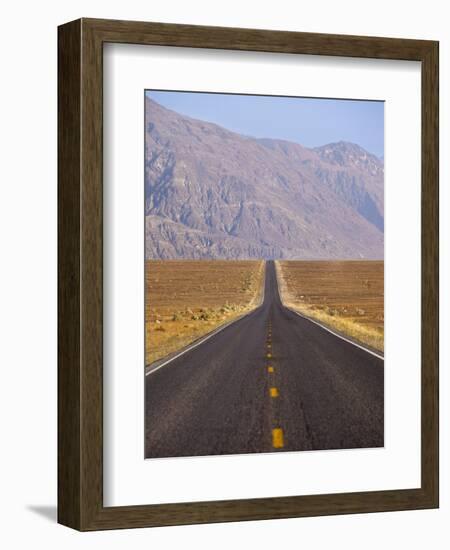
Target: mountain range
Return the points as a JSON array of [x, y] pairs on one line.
[[212, 193]]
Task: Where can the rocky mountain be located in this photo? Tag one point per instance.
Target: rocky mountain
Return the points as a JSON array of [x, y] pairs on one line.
[[212, 193]]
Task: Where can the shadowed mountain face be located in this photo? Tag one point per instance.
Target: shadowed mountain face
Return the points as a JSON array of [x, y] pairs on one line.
[[212, 193]]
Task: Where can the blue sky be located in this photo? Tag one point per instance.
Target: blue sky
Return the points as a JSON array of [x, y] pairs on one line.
[[311, 122]]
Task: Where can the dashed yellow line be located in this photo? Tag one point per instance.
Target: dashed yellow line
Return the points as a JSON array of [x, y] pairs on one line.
[[277, 438], [277, 433]]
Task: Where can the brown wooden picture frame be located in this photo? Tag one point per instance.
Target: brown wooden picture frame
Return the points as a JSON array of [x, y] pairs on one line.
[[80, 273]]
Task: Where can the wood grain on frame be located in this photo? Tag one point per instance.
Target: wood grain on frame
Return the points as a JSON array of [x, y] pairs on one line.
[[80, 265]]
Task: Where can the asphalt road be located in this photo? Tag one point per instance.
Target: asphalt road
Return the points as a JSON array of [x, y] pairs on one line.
[[272, 381]]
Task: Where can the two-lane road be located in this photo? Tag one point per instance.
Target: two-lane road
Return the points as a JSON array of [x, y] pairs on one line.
[[271, 381]]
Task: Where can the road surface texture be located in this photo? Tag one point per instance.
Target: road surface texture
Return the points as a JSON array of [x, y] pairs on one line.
[[271, 381]]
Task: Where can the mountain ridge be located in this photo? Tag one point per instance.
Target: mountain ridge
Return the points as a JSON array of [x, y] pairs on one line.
[[214, 193]]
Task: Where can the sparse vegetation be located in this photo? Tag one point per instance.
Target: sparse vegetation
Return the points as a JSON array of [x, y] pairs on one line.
[[347, 296], [187, 299]]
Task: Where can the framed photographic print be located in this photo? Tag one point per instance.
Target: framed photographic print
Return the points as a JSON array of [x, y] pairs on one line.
[[248, 274]]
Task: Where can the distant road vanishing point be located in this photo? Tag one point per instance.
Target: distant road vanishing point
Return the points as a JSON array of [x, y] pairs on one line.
[[271, 381]]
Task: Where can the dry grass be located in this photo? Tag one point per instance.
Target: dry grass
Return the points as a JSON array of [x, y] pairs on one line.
[[187, 299], [345, 295]]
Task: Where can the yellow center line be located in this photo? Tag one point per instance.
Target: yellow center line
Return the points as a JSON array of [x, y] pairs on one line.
[[269, 356], [274, 392], [270, 369], [277, 438]]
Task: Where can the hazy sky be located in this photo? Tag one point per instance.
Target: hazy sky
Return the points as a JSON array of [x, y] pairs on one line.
[[311, 122]]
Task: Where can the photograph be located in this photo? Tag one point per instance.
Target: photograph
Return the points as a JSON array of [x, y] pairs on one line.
[[264, 274], [247, 231]]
